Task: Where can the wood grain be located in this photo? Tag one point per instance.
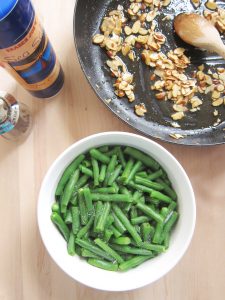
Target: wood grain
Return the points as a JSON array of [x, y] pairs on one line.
[[27, 272]]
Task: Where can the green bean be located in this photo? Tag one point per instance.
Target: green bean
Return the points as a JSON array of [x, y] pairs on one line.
[[127, 224], [114, 175], [88, 201], [168, 190], [152, 247], [133, 262], [131, 250], [136, 196], [81, 182], [68, 217], [107, 235], [103, 217], [127, 170], [116, 187], [150, 212], [155, 175], [133, 171], [86, 163], [148, 183], [109, 250], [86, 228], [98, 212], [105, 190], [118, 224], [86, 171], [166, 242], [87, 245], [110, 168], [160, 196], [139, 220], [74, 200], [143, 174], [141, 200], [67, 173], [144, 158], [133, 212], [139, 187], [122, 240], [61, 225], [116, 233], [121, 156], [170, 223], [109, 221], [82, 207], [99, 156], [68, 192], [125, 191], [155, 202], [103, 149], [146, 231], [112, 197], [158, 232], [95, 168], [71, 245], [164, 212], [75, 219], [172, 206], [102, 173], [111, 152], [103, 264], [55, 207], [87, 253]]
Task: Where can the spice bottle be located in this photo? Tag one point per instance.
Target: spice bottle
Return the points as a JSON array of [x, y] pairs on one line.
[[25, 50], [15, 118]]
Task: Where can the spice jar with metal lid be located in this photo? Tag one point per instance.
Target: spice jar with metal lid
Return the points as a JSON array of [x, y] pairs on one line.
[[15, 118]]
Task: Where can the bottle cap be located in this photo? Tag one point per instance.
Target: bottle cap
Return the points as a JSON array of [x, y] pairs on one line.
[[3, 111]]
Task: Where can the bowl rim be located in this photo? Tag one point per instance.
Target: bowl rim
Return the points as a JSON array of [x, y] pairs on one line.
[[101, 135]]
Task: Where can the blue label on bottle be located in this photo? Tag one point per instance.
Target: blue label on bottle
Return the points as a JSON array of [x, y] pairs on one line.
[[6, 127]]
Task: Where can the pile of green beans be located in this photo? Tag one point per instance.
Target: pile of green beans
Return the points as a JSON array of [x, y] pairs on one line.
[[116, 207]]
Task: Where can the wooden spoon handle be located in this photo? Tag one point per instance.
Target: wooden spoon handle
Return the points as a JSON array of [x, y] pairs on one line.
[[220, 49]]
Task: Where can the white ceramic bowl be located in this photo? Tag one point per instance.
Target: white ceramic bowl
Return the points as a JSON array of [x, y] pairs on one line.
[[149, 271]]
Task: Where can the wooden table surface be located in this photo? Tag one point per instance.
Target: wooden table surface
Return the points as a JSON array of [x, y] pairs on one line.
[[27, 272]]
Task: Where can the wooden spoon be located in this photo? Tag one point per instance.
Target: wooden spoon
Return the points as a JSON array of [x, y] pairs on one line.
[[197, 31]]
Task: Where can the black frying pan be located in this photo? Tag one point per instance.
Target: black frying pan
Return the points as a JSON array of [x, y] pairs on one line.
[[197, 127]]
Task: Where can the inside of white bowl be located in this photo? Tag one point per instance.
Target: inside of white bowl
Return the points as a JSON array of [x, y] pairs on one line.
[[149, 271]]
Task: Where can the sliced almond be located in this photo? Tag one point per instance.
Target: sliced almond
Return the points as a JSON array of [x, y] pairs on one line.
[[215, 94], [179, 108], [160, 96], [177, 136], [131, 55], [136, 26], [127, 30], [140, 109], [151, 16], [217, 102], [125, 49], [220, 88], [177, 116], [98, 38], [143, 31]]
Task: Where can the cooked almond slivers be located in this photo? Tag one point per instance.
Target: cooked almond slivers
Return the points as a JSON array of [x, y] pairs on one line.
[[98, 38], [140, 109], [177, 116]]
